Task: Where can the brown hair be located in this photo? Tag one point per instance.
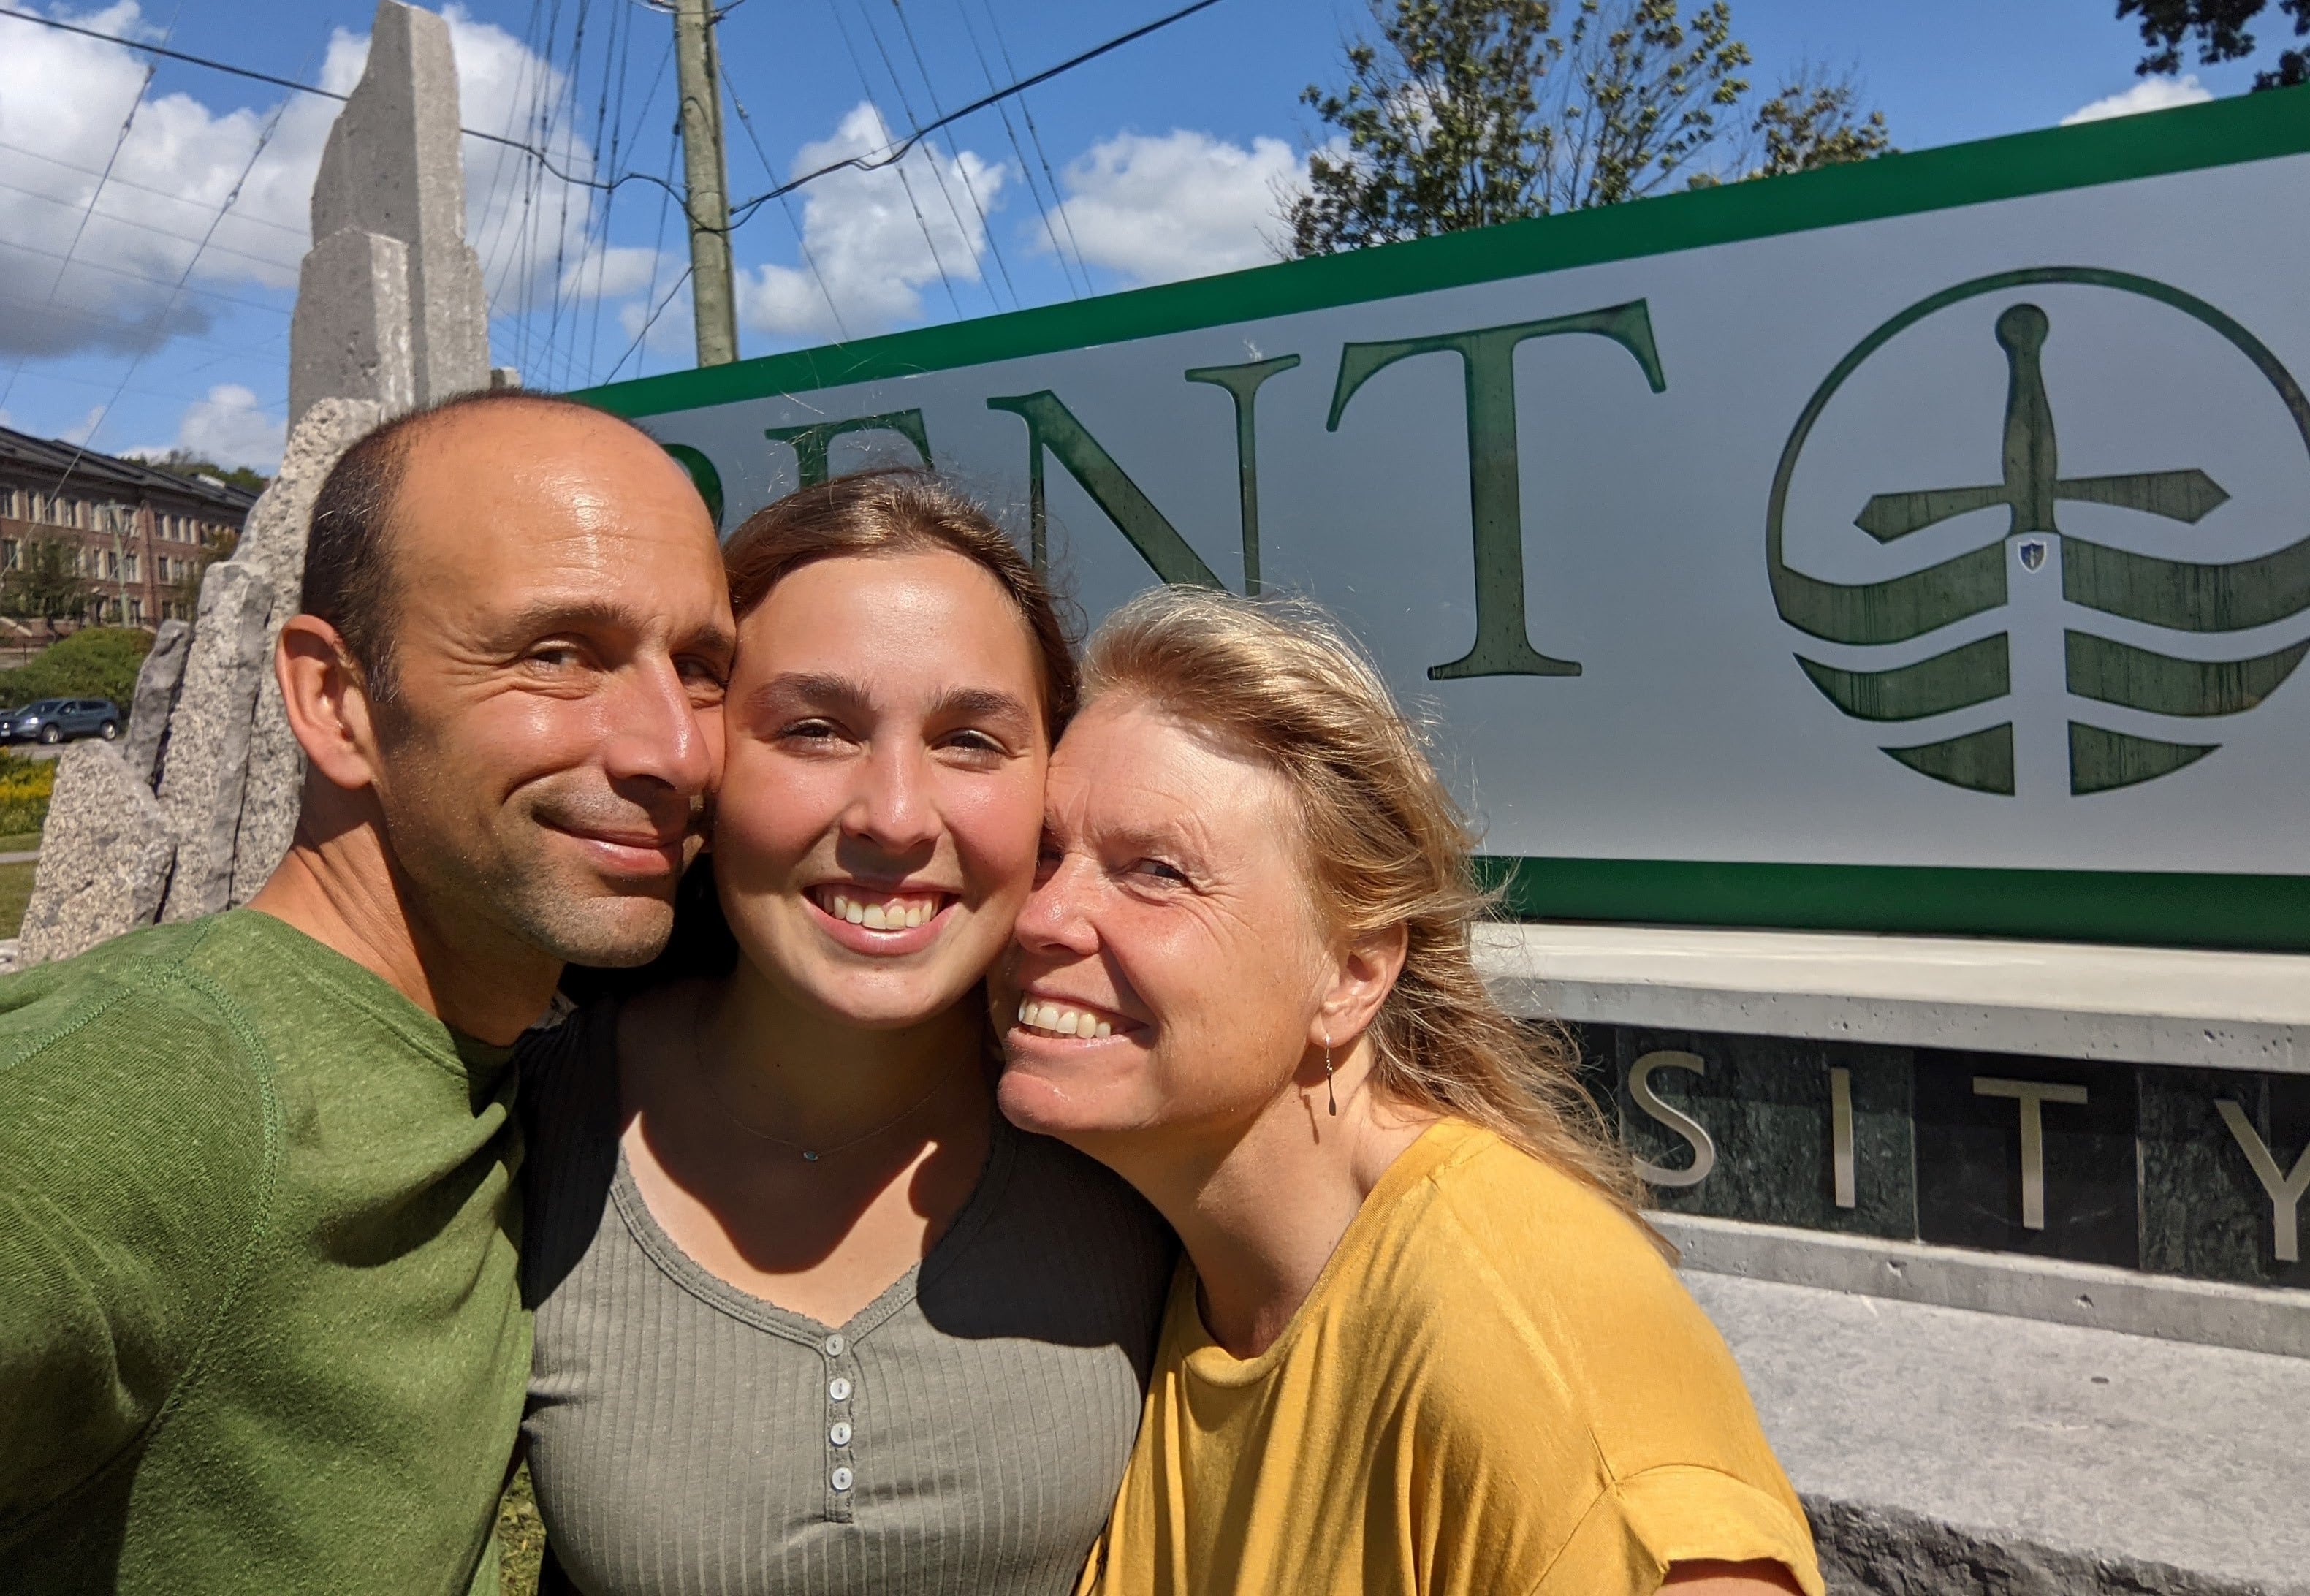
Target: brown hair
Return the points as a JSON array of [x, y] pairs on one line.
[[1387, 845], [902, 510]]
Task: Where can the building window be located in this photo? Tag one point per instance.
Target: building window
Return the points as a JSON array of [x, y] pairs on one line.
[[129, 565], [136, 611]]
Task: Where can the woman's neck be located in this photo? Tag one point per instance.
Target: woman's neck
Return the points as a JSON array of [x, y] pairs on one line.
[[1262, 1210], [817, 1080]]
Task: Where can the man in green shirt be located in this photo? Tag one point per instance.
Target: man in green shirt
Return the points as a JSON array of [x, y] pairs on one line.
[[260, 1324]]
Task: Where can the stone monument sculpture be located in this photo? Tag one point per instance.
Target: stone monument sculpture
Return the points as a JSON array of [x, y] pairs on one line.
[[190, 812]]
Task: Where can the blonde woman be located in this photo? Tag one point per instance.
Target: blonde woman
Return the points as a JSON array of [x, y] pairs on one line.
[[1421, 1341]]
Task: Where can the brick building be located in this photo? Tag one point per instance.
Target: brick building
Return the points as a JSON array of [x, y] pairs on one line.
[[137, 532]]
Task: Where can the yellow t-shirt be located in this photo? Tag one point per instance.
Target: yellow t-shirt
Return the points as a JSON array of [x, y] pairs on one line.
[[1496, 1388]]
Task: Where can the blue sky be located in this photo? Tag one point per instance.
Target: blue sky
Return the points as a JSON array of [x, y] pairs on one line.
[[1163, 156]]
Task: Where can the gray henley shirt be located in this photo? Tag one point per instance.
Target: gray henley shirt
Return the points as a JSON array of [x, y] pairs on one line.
[[962, 1436]]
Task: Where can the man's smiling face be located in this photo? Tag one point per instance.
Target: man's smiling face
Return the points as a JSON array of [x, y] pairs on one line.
[[561, 636]]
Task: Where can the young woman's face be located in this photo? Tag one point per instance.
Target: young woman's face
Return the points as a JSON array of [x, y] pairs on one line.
[[1168, 972], [882, 792]]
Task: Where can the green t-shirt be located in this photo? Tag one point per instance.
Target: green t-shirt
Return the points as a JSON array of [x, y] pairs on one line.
[[260, 1326]]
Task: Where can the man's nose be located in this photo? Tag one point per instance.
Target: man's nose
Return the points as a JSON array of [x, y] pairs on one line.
[[657, 733]]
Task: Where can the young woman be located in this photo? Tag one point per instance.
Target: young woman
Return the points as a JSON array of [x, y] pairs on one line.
[[811, 1316], [1421, 1342]]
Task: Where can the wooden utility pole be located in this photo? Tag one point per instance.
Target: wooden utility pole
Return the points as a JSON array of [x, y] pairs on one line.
[[707, 181]]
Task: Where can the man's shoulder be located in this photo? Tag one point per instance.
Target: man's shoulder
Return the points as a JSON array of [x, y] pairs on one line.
[[129, 981], [136, 1033]]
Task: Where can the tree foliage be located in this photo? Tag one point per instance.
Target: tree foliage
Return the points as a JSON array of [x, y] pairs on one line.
[[1465, 113], [97, 662], [2221, 30], [184, 462], [45, 583]]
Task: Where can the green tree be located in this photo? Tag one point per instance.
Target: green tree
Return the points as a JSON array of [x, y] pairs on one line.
[[184, 462], [2219, 28], [186, 591], [1465, 113], [47, 584], [96, 662]]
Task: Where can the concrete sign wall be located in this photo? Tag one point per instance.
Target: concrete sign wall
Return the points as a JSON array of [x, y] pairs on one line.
[[1917, 546]]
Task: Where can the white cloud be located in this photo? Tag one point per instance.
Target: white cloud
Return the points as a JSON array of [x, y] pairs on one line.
[[62, 101], [860, 229], [611, 271], [673, 332], [228, 427], [1186, 204], [2150, 94]]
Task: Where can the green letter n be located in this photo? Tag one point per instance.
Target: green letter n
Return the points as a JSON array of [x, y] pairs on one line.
[[1052, 425], [1503, 647]]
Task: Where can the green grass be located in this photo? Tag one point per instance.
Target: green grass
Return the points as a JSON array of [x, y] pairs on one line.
[[521, 1538], [15, 892], [19, 842]]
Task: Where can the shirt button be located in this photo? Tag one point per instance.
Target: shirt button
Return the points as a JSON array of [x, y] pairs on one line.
[[838, 1388], [840, 1433], [834, 1346], [840, 1479]]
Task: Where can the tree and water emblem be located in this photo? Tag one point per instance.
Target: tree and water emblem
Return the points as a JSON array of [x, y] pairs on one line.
[[2182, 598]]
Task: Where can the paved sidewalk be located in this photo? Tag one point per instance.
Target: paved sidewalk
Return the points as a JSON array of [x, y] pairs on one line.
[[1949, 1452]]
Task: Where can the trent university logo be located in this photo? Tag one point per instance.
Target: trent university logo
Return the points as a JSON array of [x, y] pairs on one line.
[[2129, 637]]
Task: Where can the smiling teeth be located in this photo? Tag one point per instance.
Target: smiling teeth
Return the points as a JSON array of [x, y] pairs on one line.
[[1062, 1021], [897, 913]]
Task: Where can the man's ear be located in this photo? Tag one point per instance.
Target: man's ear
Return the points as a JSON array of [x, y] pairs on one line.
[[1361, 979], [329, 709]]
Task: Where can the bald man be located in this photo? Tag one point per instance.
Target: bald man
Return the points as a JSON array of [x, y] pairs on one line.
[[259, 1322]]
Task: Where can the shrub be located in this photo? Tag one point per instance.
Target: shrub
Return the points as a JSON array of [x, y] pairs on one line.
[[24, 788], [97, 662]]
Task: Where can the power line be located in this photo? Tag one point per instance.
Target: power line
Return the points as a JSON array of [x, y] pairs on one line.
[[1034, 133], [905, 187], [80, 229], [801, 243], [1026, 170], [232, 197], [118, 220], [93, 266], [891, 155], [955, 150], [118, 181]]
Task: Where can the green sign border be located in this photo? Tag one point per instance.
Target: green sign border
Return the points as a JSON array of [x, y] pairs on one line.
[[2271, 911], [2266, 914], [2189, 138]]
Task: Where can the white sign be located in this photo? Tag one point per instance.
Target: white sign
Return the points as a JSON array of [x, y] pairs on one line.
[[1923, 545]]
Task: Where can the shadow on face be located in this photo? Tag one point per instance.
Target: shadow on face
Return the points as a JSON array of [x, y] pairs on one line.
[[561, 637]]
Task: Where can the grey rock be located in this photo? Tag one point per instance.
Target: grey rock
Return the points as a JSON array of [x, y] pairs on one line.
[[207, 769], [1944, 1450], [157, 681], [393, 168], [275, 544], [1870, 1549], [104, 857], [350, 334]]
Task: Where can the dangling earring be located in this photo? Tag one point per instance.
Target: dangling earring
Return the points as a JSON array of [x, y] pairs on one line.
[[1330, 1095]]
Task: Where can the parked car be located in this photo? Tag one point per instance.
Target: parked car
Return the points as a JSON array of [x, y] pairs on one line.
[[59, 720]]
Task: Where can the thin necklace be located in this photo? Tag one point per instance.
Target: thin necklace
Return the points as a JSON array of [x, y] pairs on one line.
[[808, 1156]]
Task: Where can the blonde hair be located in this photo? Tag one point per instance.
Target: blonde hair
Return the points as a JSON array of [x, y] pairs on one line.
[[1387, 845]]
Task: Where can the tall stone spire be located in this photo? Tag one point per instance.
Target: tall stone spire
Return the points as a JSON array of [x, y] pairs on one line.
[[390, 305]]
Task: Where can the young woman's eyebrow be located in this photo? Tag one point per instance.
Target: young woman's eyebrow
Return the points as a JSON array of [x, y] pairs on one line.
[[980, 703], [800, 689]]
